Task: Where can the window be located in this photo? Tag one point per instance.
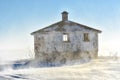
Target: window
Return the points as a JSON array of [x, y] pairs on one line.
[[86, 37], [65, 37]]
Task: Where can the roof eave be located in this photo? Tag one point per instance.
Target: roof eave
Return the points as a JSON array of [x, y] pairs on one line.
[[32, 33]]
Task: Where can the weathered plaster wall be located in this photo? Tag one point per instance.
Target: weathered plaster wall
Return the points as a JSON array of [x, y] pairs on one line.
[[50, 47]]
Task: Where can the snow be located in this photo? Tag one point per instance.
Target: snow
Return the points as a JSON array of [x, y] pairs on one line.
[[99, 69]]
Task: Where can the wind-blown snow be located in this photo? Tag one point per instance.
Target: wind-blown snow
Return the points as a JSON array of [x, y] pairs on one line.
[[99, 69]]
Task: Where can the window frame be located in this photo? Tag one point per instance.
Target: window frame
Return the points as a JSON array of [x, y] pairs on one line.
[[86, 37], [65, 37]]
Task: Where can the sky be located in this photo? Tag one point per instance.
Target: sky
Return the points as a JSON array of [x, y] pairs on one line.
[[18, 18]]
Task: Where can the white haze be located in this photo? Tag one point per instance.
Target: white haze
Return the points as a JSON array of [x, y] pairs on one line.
[[99, 69]]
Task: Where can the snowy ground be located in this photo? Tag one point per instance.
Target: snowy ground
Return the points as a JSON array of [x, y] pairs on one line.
[[99, 69]]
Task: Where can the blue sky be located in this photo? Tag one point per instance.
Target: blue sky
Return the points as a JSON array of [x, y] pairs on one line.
[[18, 18]]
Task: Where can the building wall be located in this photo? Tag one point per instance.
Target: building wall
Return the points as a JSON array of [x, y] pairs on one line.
[[50, 47]]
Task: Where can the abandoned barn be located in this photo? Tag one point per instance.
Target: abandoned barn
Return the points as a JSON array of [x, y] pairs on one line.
[[65, 41]]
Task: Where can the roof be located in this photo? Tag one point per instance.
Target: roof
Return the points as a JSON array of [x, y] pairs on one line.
[[61, 23]]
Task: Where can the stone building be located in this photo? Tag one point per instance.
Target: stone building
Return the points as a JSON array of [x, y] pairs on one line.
[[65, 41]]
